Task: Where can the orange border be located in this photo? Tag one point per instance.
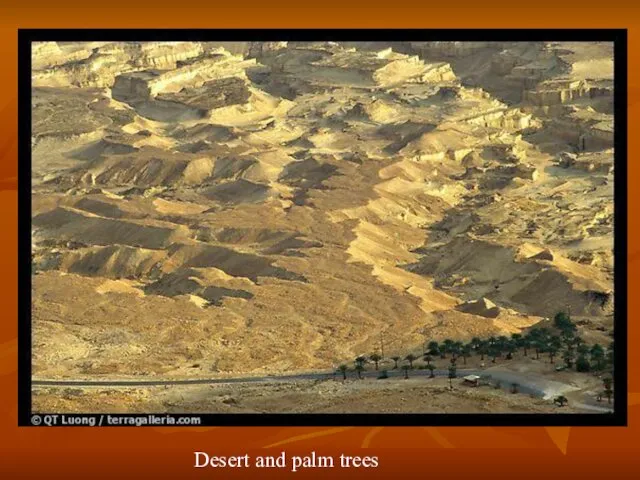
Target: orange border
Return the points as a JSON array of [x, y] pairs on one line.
[[167, 452]]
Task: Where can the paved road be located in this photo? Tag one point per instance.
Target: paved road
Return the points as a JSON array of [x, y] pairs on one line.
[[207, 381], [524, 387], [529, 385]]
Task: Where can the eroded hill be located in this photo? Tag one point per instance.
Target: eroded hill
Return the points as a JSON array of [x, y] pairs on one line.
[[287, 206]]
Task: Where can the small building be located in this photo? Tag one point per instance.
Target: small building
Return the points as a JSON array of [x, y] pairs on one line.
[[471, 380]]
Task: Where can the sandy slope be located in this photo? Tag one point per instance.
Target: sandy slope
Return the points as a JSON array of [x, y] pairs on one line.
[[197, 212]]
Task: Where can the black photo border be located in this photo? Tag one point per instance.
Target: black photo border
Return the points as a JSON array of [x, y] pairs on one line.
[[618, 36]]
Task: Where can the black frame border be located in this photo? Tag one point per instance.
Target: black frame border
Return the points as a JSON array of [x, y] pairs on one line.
[[617, 36]]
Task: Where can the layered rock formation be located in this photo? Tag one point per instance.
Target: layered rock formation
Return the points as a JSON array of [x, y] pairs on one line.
[[282, 207]]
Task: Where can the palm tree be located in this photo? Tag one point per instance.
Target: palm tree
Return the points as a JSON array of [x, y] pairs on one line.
[[516, 338], [543, 332], [568, 335], [433, 348], [539, 345], [447, 346], [494, 352], [525, 344], [360, 360], [568, 357], [582, 349], [552, 351], [456, 349], [410, 358], [343, 369], [582, 364], [578, 341], [375, 358], [597, 356], [553, 346], [563, 323], [359, 369], [510, 347], [452, 374], [540, 339], [431, 369], [610, 355], [608, 388], [427, 358], [568, 339], [395, 359], [466, 352], [475, 342], [483, 349], [406, 369]]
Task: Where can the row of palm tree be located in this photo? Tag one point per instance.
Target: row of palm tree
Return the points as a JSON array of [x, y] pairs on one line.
[[562, 340]]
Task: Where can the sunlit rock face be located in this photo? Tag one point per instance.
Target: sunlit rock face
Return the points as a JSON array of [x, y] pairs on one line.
[[271, 207]]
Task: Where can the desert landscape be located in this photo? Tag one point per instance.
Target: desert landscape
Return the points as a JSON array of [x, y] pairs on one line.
[[326, 227]]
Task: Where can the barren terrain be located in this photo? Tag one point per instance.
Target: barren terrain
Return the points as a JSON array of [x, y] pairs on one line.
[[208, 210]]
